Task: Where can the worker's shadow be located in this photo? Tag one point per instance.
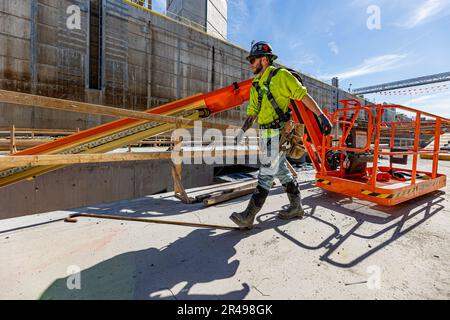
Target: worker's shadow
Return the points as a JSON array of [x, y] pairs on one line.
[[178, 270], [172, 272], [390, 224]]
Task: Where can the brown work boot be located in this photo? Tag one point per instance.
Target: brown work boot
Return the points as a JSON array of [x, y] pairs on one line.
[[295, 209], [246, 219]]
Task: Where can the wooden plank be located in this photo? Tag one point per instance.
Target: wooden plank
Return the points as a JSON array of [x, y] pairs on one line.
[[40, 131], [24, 99], [24, 143], [58, 159], [46, 160], [243, 190], [72, 219], [176, 169], [12, 139], [236, 187], [227, 197], [179, 190], [292, 170], [5, 144]]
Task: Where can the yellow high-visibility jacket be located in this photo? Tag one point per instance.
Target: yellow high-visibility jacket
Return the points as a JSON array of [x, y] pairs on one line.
[[284, 87]]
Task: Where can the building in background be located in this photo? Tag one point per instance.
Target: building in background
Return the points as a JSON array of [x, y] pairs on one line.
[[389, 115], [403, 117], [209, 15]]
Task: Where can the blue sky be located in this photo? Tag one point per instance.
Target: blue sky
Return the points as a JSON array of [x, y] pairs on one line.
[[327, 38]]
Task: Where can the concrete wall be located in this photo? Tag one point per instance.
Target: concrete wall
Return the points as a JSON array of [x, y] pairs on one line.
[[147, 60], [83, 185], [193, 10]]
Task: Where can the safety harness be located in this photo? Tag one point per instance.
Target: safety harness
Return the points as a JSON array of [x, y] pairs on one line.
[[291, 139], [282, 116]]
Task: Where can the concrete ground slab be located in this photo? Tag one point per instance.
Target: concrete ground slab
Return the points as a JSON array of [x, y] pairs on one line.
[[344, 249]]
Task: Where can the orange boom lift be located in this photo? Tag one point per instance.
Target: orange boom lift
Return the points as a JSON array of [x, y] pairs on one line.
[[341, 166]]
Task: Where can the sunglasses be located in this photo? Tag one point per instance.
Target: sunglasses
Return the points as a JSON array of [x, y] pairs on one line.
[[252, 60]]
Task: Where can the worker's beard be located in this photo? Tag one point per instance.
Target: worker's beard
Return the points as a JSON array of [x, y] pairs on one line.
[[258, 68]]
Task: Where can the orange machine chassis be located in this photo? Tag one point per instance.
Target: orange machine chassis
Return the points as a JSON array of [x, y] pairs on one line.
[[377, 184]]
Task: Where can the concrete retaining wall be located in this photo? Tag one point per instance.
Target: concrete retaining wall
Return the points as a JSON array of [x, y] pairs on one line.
[[147, 60], [83, 185]]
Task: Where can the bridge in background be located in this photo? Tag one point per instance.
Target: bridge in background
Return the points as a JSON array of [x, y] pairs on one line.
[[415, 82]]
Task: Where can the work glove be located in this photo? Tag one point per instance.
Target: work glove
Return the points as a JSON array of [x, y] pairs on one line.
[[325, 124]]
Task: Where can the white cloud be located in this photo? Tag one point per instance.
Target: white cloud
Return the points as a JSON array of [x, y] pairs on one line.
[[333, 47], [298, 55], [295, 44], [330, 28], [438, 103], [240, 22], [370, 66], [425, 13], [302, 60]]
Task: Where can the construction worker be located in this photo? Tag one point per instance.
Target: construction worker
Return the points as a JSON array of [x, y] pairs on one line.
[[270, 98]]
